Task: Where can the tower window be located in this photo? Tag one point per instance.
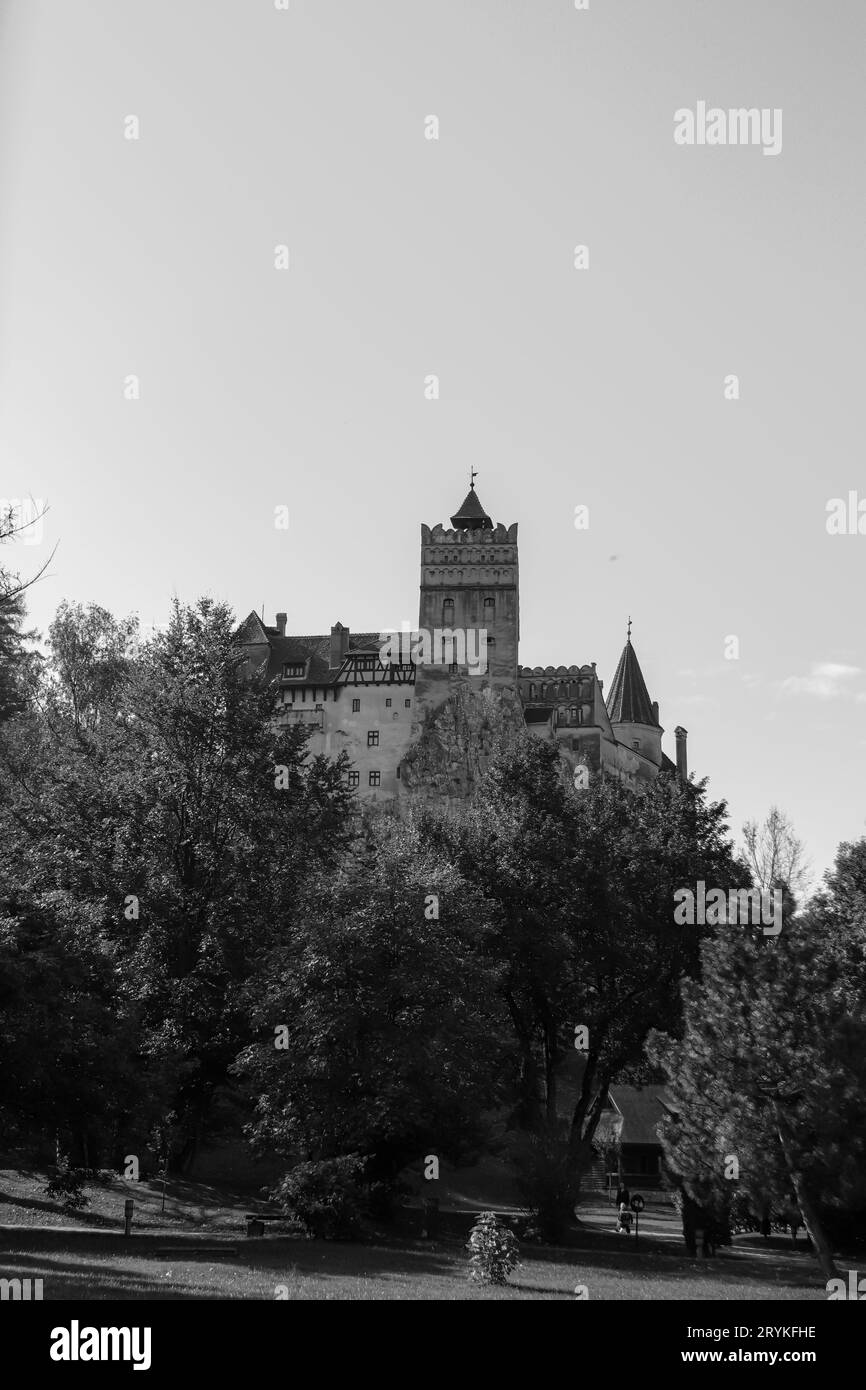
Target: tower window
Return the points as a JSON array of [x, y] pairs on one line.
[[375, 779], [356, 706], [489, 610], [408, 704], [573, 714], [448, 613], [372, 738], [388, 704]]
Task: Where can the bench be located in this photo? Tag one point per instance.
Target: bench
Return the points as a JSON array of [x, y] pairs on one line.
[[255, 1221]]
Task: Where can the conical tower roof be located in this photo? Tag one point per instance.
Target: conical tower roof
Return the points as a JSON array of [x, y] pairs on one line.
[[471, 516], [628, 700]]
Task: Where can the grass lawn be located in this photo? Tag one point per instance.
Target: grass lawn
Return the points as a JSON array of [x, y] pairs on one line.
[[404, 1270], [85, 1256]]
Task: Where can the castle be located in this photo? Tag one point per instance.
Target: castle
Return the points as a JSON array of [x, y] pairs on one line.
[[428, 728]]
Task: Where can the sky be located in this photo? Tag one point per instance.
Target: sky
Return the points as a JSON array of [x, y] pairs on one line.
[[606, 386]]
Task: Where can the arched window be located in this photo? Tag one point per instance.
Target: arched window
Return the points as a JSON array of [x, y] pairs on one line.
[[489, 610], [448, 613], [532, 692], [573, 714]]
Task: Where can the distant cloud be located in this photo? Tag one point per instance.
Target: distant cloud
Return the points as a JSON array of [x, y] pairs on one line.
[[827, 680]]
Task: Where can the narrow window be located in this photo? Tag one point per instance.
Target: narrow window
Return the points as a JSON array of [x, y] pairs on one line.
[[448, 613], [387, 704], [356, 706], [408, 704]]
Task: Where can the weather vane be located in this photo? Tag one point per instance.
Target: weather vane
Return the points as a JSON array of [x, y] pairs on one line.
[[473, 474], [628, 635]]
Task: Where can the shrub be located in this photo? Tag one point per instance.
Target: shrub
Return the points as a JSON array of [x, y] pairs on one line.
[[494, 1250], [67, 1187], [325, 1196], [383, 1199]]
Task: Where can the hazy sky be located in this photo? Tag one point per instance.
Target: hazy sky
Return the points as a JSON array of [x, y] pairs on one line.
[[603, 387]]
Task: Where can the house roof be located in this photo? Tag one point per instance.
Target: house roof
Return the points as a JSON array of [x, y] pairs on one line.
[[641, 1107], [628, 700], [315, 649]]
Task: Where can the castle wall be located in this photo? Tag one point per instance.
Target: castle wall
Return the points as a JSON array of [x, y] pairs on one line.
[[386, 711]]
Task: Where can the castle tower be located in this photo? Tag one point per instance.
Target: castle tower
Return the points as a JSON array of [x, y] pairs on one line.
[[469, 585], [466, 697], [633, 716]]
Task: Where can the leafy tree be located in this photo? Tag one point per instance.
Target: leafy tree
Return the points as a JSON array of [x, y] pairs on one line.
[[158, 795], [582, 890], [17, 664], [377, 1013], [770, 1069]]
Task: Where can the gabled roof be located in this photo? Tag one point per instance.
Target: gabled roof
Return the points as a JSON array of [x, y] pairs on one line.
[[628, 700], [297, 651], [641, 1107], [471, 516]]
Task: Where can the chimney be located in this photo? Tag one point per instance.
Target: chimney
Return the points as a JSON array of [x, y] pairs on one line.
[[282, 618], [339, 645], [681, 734]]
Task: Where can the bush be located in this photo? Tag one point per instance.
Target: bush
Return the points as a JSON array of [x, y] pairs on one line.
[[325, 1196], [384, 1199], [494, 1250], [67, 1187]]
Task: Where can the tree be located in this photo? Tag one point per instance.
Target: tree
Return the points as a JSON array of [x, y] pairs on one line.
[[17, 664], [582, 886], [776, 857], [158, 795], [379, 1026], [771, 1067]]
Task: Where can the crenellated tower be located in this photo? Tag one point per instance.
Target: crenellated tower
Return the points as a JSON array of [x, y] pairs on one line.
[[469, 584]]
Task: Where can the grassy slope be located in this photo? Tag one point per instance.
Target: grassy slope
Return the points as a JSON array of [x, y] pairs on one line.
[[87, 1258]]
